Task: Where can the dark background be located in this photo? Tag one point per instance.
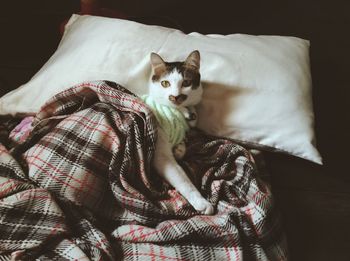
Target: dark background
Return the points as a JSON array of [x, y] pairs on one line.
[[314, 200]]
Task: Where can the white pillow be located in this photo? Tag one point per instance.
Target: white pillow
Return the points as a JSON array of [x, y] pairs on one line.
[[257, 88]]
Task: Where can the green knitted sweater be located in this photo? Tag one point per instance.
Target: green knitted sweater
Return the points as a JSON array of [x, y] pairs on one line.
[[170, 119]]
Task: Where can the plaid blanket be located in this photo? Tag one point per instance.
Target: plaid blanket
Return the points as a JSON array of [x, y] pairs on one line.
[[82, 187]]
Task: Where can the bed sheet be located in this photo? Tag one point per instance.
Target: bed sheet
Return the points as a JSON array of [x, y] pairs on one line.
[[82, 186]]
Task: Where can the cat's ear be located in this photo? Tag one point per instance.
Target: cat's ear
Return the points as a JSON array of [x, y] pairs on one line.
[[157, 61], [193, 60]]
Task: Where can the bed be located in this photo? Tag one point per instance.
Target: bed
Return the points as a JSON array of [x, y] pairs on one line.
[[132, 215]]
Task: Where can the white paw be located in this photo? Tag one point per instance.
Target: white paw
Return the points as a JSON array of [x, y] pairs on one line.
[[179, 151], [185, 112], [202, 206]]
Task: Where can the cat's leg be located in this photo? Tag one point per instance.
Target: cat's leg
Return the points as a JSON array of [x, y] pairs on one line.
[[172, 172]]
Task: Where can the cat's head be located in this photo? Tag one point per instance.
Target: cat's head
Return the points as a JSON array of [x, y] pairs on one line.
[[176, 84]]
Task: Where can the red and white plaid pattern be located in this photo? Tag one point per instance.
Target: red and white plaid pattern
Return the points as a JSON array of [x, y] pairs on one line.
[[82, 187]]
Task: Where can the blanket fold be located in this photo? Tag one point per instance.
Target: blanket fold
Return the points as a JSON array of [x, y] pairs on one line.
[[82, 187]]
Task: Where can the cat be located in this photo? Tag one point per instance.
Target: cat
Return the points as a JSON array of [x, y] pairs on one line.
[[174, 89]]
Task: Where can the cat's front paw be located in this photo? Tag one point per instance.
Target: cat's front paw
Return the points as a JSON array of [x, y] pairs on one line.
[[203, 206]]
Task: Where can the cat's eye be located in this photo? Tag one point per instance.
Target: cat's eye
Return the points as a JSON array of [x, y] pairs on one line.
[[165, 84], [186, 83]]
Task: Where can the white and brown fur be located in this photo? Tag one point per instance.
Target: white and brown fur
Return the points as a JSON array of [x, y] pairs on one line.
[[177, 84]]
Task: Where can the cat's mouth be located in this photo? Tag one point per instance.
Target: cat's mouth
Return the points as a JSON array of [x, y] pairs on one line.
[[177, 100]]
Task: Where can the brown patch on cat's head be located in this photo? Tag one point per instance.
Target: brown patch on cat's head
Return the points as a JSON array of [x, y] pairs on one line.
[[191, 75], [191, 69]]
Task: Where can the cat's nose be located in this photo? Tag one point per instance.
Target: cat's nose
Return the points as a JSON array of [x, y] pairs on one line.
[[177, 99]]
